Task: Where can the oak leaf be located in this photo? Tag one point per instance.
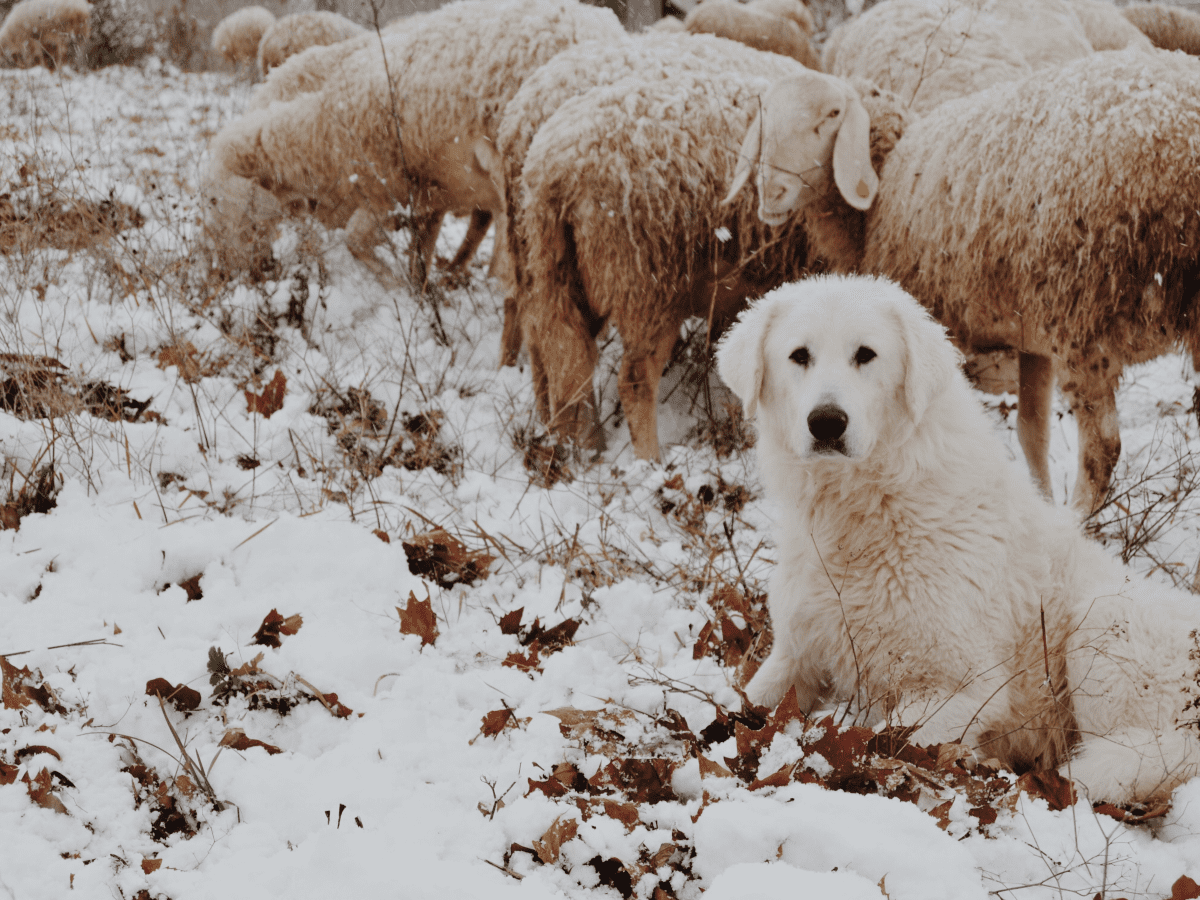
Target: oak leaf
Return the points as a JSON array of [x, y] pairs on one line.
[[1057, 791], [441, 557], [1185, 889], [270, 401], [418, 618], [550, 844], [41, 791]]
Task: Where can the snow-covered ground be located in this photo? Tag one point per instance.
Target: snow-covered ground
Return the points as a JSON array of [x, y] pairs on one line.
[[543, 716]]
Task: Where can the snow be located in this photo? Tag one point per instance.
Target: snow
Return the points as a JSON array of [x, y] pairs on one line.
[[399, 798]]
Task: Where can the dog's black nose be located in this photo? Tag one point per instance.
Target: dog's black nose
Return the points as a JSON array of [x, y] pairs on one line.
[[827, 423]]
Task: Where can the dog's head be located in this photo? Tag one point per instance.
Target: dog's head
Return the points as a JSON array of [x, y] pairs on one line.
[[836, 366]]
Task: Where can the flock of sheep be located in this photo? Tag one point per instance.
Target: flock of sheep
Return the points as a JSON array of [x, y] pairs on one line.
[[1026, 168]]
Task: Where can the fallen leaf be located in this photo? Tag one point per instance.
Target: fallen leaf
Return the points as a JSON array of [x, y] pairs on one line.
[[270, 401], [1185, 889], [236, 739], [182, 697], [510, 623], [494, 722], [13, 694], [274, 625], [41, 792], [382, 535], [550, 844], [710, 769], [625, 813], [151, 865], [418, 618], [1057, 791], [34, 749], [8, 774], [441, 557]]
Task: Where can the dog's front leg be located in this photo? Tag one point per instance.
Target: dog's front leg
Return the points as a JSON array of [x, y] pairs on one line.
[[786, 666]]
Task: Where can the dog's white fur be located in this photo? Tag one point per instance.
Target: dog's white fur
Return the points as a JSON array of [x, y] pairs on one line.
[[915, 558]]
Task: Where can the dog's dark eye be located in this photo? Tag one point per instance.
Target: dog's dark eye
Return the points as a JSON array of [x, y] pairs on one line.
[[800, 356], [864, 356]]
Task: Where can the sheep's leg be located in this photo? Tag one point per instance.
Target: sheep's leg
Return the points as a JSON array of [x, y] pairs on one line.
[[641, 370], [1094, 403], [365, 232], [425, 230], [481, 219], [1033, 416], [510, 337], [564, 358]]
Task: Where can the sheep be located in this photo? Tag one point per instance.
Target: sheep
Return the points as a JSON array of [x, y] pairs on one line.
[[758, 27], [572, 73], [668, 24], [44, 32], [452, 72], [1055, 216], [620, 221], [299, 31], [236, 36], [929, 51], [1168, 27], [1106, 28]]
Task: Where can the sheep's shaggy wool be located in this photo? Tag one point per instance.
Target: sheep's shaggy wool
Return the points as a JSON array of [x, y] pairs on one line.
[[919, 573], [1096, 266], [1168, 27], [930, 51], [1106, 28], [620, 220], [237, 36], [755, 26], [426, 139], [299, 31], [44, 32]]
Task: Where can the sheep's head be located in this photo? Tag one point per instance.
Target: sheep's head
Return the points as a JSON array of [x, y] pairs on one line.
[[810, 127]]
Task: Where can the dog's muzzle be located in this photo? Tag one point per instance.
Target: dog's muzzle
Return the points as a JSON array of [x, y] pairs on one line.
[[827, 424]]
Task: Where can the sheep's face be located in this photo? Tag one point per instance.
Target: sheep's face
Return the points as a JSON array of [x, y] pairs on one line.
[[811, 134], [798, 137]]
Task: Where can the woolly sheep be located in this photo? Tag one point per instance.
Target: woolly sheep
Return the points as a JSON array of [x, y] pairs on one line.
[[299, 31], [452, 70], [929, 51], [44, 32], [569, 74], [755, 27], [620, 222], [668, 24], [1056, 216], [1106, 28], [1168, 27], [236, 36]]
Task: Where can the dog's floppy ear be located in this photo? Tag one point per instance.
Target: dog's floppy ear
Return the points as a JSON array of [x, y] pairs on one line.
[[740, 360], [931, 362]]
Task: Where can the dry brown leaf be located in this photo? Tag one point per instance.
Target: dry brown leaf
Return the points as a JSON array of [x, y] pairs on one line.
[[274, 625], [550, 844], [625, 813], [250, 668], [1185, 889], [8, 774], [182, 697], [270, 401], [236, 739], [151, 865], [510, 623], [494, 722], [441, 557], [41, 791], [12, 687], [1057, 791], [710, 769], [418, 618]]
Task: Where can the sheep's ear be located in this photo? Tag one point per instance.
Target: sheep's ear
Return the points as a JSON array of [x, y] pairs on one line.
[[931, 362], [747, 158], [740, 360], [852, 170]]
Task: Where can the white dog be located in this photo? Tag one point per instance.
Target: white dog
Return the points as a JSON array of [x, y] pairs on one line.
[[922, 575]]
